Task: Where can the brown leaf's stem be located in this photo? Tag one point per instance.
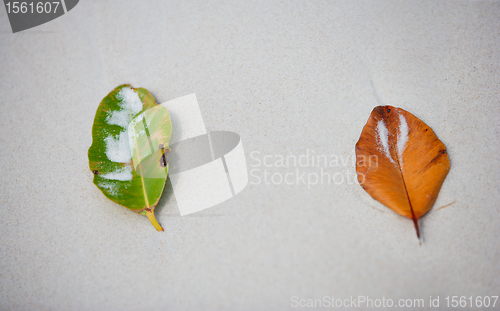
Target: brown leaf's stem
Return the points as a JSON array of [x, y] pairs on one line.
[[153, 220], [415, 222]]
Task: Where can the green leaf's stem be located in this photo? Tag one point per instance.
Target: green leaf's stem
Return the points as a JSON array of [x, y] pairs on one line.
[[151, 216]]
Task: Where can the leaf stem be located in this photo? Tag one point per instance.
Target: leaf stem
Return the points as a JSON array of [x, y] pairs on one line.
[[415, 222], [151, 216]]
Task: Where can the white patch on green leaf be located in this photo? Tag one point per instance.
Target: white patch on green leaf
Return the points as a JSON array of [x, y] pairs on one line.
[[110, 187], [118, 149], [119, 117], [130, 100], [130, 104], [123, 174]]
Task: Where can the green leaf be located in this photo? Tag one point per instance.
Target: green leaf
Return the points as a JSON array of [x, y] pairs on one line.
[[129, 149]]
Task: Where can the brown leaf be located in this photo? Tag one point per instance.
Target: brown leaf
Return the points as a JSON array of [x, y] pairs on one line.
[[400, 162]]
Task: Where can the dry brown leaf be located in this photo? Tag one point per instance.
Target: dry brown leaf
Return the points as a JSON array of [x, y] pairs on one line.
[[400, 162]]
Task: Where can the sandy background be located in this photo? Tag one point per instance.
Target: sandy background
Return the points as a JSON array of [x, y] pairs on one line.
[[287, 77]]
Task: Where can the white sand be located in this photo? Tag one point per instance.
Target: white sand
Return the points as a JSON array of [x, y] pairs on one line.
[[288, 77]]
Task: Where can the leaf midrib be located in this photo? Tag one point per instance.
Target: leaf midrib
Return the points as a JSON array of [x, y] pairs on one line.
[[139, 166], [415, 220]]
